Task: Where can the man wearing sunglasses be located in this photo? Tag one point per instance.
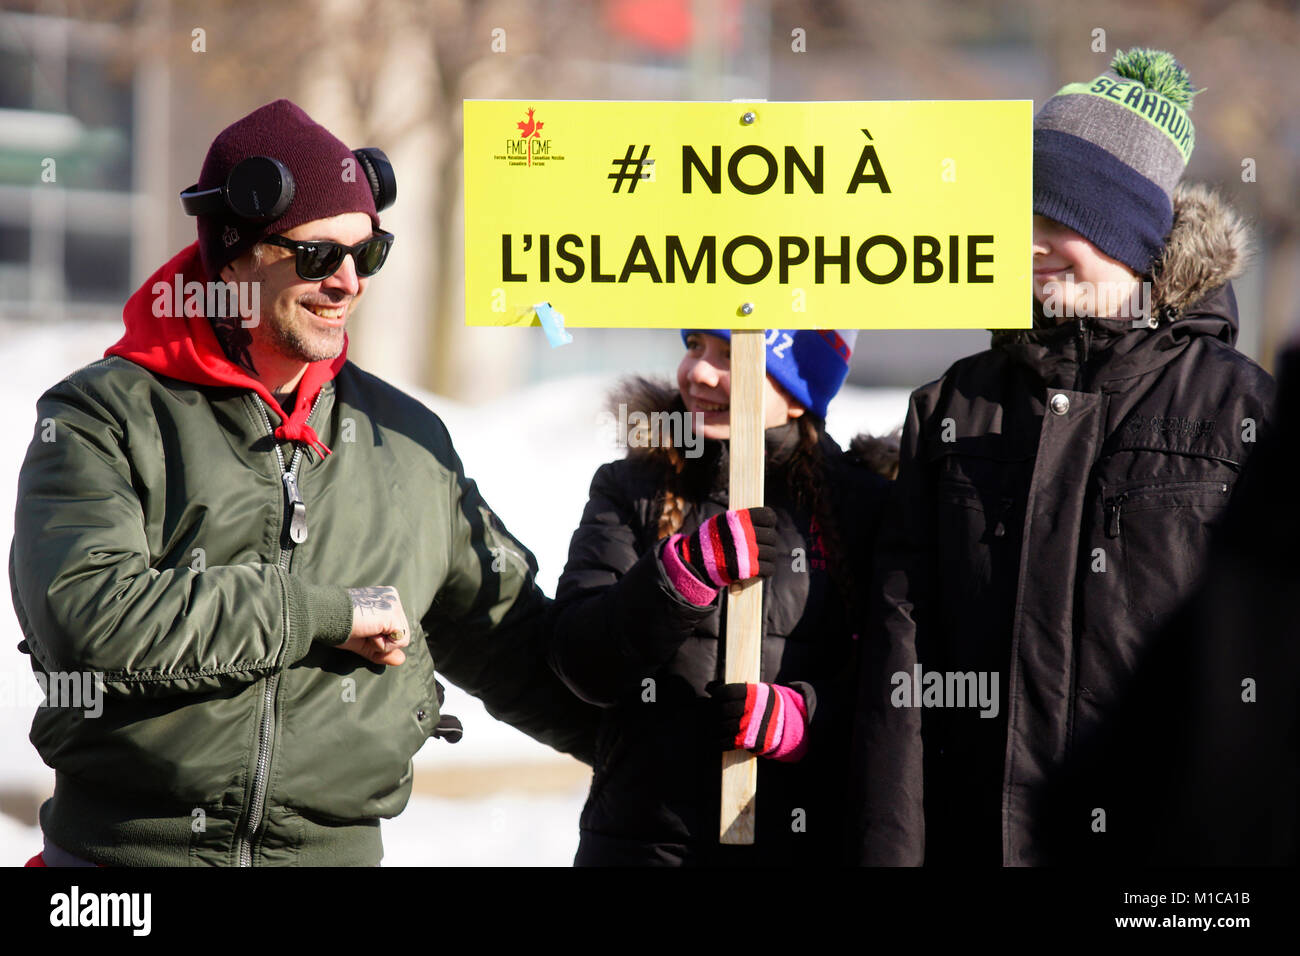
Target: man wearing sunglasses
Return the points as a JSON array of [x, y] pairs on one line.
[[259, 552]]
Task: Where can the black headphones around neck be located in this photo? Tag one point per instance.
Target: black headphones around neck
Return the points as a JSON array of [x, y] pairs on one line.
[[261, 188]]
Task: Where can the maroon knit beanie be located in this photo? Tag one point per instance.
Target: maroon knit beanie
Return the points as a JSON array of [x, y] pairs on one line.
[[327, 179]]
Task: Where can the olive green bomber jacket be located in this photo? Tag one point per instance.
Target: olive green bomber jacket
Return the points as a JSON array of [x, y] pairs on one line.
[[152, 547]]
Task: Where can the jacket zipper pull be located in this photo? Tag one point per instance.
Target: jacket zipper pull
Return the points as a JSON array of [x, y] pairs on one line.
[[298, 523], [1112, 526], [1000, 530]]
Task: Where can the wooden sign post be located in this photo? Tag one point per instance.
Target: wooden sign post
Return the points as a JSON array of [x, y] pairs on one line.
[[744, 600], [754, 216]]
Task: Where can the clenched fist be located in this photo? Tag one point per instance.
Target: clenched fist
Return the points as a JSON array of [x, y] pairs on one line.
[[379, 626]]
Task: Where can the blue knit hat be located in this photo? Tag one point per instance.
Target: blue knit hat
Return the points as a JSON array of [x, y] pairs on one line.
[[1108, 153], [810, 364]]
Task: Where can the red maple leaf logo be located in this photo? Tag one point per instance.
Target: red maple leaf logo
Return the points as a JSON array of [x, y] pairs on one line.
[[529, 128]]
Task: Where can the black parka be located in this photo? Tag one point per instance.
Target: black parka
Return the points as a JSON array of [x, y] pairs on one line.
[[626, 641], [1198, 766], [1055, 501]]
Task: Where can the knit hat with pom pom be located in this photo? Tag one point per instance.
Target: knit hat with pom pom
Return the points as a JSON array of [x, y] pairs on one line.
[[1108, 153]]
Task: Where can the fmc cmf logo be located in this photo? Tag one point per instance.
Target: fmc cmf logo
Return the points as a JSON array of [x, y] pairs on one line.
[[528, 147]]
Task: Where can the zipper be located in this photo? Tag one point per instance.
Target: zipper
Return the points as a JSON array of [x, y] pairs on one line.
[[298, 523], [297, 535], [1003, 513], [1115, 505], [1085, 343], [1112, 519]]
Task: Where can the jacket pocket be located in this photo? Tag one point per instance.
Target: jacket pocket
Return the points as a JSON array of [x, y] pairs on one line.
[[1134, 498], [996, 506], [421, 697], [992, 486], [1160, 531], [979, 512]]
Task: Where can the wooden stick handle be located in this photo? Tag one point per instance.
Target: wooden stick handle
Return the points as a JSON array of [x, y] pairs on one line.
[[744, 600]]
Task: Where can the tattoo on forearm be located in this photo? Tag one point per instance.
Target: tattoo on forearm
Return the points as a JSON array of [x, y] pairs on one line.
[[377, 598], [234, 340]]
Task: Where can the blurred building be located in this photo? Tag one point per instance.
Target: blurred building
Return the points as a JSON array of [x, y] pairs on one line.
[[69, 126]]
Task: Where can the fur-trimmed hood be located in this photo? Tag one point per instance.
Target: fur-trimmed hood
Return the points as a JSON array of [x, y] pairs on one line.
[[648, 395], [1208, 246]]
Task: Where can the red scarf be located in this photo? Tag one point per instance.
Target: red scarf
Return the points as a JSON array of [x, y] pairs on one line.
[[186, 348]]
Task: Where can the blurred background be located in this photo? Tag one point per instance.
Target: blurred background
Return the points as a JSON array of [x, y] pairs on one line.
[[107, 109], [126, 96]]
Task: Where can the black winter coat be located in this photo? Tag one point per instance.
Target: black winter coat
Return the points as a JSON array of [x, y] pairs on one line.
[[1199, 766], [656, 788], [1055, 500]]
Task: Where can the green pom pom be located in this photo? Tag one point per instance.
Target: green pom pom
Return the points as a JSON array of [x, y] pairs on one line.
[[1157, 71]]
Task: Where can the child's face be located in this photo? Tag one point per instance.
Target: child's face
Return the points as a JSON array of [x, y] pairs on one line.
[[704, 379], [1064, 261]]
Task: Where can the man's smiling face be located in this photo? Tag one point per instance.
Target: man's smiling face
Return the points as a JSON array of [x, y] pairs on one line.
[[300, 320]]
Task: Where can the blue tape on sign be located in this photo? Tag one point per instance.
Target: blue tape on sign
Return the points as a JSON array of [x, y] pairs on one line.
[[552, 325]]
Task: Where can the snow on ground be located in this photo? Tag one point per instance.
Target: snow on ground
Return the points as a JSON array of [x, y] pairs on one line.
[[498, 829], [532, 453]]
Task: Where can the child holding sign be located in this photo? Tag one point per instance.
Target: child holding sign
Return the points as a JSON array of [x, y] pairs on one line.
[[641, 619], [1056, 493]]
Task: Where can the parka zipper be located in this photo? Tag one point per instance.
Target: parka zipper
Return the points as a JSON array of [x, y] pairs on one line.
[[297, 535], [1085, 344]]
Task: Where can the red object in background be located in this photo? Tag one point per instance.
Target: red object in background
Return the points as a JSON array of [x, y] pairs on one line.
[[666, 26]]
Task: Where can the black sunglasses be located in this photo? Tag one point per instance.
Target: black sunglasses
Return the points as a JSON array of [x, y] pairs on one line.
[[317, 259]]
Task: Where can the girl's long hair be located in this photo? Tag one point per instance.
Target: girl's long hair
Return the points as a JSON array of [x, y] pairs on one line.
[[807, 478]]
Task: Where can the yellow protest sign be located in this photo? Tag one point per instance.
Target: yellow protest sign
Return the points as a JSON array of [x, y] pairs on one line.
[[761, 215]]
